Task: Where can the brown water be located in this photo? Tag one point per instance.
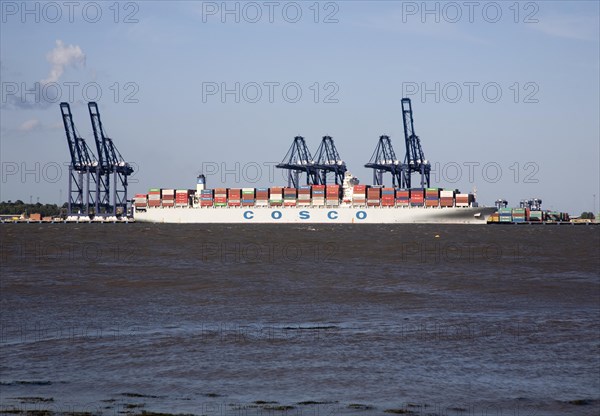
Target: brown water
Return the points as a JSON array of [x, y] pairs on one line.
[[209, 320]]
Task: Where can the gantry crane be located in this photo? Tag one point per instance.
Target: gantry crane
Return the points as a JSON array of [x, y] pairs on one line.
[[329, 161], [298, 160], [414, 161], [111, 163], [83, 169], [384, 160]]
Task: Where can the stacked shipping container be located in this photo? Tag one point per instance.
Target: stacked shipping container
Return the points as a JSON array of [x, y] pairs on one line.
[[417, 197], [315, 195], [154, 197], [289, 197], [505, 214], [220, 197], [140, 200], [432, 197], [182, 197], [247, 197], [276, 196], [333, 194], [318, 195], [464, 200], [234, 197], [206, 198], [168, 198], [304, 195], [446, 198], [388, 197], [262, 197], [373, 197], [359, 194], [519, 214], [536, 216], [402, 197]]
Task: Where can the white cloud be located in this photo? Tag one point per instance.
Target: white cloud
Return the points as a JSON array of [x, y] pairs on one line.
[[61, 57], [29, 125]]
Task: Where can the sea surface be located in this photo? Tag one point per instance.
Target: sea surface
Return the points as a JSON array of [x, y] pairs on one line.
[[316, 320]]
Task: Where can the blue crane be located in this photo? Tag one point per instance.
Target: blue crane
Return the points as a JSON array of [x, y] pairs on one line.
[[298, 160], [414, 161], [329, 161], [83, 164], [111, 163], [384, 160]]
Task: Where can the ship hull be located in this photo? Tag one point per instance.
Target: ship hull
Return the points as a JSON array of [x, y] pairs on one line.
[[315, 215]]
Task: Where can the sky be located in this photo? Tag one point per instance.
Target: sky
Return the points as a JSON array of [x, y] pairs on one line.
[[505, 95]]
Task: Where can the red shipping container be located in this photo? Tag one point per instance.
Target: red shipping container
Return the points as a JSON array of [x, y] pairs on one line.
[[446, 202], [373, 193], [432, 202]]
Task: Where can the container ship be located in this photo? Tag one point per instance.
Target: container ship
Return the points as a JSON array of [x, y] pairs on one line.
[[346, 201], [349, 203]]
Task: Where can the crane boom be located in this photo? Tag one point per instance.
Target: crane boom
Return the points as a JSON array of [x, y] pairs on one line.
[[384, 160], [328, 160], [414, 160], [299, 160], [83, 164], [82, 157], [111, 163]]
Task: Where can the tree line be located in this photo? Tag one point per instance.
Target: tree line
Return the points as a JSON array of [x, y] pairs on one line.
[[18, 207]]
